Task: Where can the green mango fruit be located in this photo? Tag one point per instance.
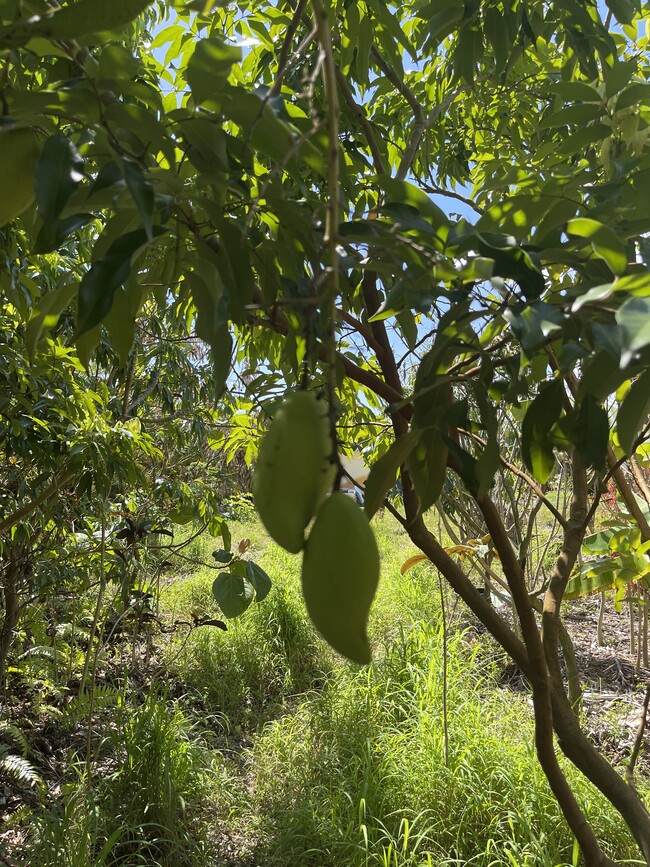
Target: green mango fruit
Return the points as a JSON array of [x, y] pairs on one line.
[[340, 573], [294, 470], [18, 153]]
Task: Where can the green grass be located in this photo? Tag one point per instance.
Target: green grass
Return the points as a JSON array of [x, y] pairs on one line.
[[308, 760], [357, 774], [141, 803]]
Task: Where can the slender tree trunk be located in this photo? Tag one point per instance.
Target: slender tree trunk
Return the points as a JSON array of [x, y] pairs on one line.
[[577, 747]]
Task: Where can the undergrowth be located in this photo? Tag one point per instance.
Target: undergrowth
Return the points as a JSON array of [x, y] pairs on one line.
[[262, 735]]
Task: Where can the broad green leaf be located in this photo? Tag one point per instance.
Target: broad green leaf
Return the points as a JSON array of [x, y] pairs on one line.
[[99, 284], [619, 75], [513, 262], [233, 594], [409, 194], [623, 10], [209, 67], [141, 192], [258, 579], [634, 321], [47, 315], [605, 243], [590, 432], [489, 457], [384, 471], [536, 444], [74, 21], [535, 324], [635, 284], [636, 93], [427, 466], [596, 576], [633, 412], [58, 173]]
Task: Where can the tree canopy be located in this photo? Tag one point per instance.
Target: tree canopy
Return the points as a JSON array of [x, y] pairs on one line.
[[437, 212]]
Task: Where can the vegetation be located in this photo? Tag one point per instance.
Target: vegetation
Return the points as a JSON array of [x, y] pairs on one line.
[[434, 215]]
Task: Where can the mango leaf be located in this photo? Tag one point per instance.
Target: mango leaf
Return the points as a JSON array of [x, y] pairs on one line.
[[590, 432], [58, 173], [427, 466], [209, 67], [633, 412], [512, 262], [47, 315], [233, 594], [634, 321], [384, 471], [259, 580], [212, 321], [100, 283], [605, 243], [408, 194], [535, 323], [536, 444], [141, 192], [489, 458]]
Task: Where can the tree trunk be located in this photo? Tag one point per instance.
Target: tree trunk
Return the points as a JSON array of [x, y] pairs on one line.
[[577, 747]]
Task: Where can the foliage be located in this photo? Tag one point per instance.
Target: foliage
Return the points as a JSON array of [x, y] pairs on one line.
[[277, 182]]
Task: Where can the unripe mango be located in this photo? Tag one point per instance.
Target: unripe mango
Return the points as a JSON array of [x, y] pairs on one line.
[[340, 573], [294, 470], [18, 154]]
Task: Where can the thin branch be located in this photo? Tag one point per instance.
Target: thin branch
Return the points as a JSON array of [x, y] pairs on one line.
[[359, 112], [629, 770]]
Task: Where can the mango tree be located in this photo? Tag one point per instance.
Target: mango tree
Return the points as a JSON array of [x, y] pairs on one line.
[[428, 211]]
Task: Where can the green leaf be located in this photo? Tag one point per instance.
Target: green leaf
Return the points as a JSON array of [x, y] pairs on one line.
[[141, 193], [513, 262], [605, 243], [427, 466], [576, 90], [618, 76], [223, 556], [52, 235], [623, 10], [208, 145], [590, 432], [259, 580], [634, 321], [209, 67], [633, 412], [58, 173], [408, 194], [535, 324], [212, 321], [74, 21], [635, 94], [233, 594], [100, 283], [489, 459], [536, 444], [594, 577], [47, 315], [384, 471]]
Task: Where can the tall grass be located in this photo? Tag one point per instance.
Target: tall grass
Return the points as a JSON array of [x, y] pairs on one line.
[[266, 657], [357, 775], [140, 804]]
